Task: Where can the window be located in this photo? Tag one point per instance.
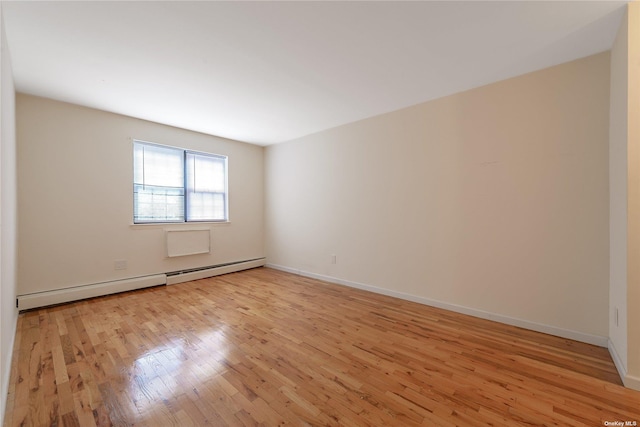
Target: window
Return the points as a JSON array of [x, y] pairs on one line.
[[175, 185]]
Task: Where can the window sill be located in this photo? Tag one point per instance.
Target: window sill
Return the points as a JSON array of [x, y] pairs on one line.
[[192, 224]]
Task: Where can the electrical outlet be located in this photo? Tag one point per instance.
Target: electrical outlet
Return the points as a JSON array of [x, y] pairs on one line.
[[334, 259], [120, 264]]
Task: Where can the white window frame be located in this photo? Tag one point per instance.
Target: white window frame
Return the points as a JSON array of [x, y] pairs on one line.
[[185, 153]]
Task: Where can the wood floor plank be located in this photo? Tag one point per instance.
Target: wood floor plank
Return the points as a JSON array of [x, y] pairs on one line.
[[83, 408], [267, 348]]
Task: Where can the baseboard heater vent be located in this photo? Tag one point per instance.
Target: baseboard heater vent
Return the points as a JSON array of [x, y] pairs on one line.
[[59, 296], [76, 293], [188, 242], [213, 270]]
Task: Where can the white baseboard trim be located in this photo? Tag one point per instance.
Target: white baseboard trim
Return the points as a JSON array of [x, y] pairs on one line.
[[59, 296], [629, 381], [534, 326], [617, 361], [214, 271]]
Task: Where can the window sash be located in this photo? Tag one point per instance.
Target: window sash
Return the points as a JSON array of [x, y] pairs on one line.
[[205, 187]]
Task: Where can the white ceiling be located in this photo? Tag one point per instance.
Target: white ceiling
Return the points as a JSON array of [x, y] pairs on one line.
[[267, 72]]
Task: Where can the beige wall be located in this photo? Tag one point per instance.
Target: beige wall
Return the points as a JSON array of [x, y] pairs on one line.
[[618, 196], [76, 205], [624, 181], [8, 311], [633, 162], [492, 201]]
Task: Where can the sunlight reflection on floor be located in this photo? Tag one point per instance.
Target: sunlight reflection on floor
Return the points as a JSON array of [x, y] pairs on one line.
[[156, 373]]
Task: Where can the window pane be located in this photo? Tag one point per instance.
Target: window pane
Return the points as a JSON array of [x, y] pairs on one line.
[[206, 206], [157, 204], [205, 173], [159, 166]]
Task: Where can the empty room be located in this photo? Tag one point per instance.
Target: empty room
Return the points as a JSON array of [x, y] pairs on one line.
[[319, 213]]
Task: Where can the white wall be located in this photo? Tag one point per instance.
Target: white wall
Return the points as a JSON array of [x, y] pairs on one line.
[[76, 205], [8, 219], [493, 200]]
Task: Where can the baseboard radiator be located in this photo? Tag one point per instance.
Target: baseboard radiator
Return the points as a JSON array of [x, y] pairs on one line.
[[216, 270], [59, 296], [76, 293]]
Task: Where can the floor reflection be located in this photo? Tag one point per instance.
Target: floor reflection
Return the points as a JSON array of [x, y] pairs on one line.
[[160, 374]]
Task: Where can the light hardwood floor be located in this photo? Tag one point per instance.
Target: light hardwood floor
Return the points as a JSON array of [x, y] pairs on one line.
[[263, 347]]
